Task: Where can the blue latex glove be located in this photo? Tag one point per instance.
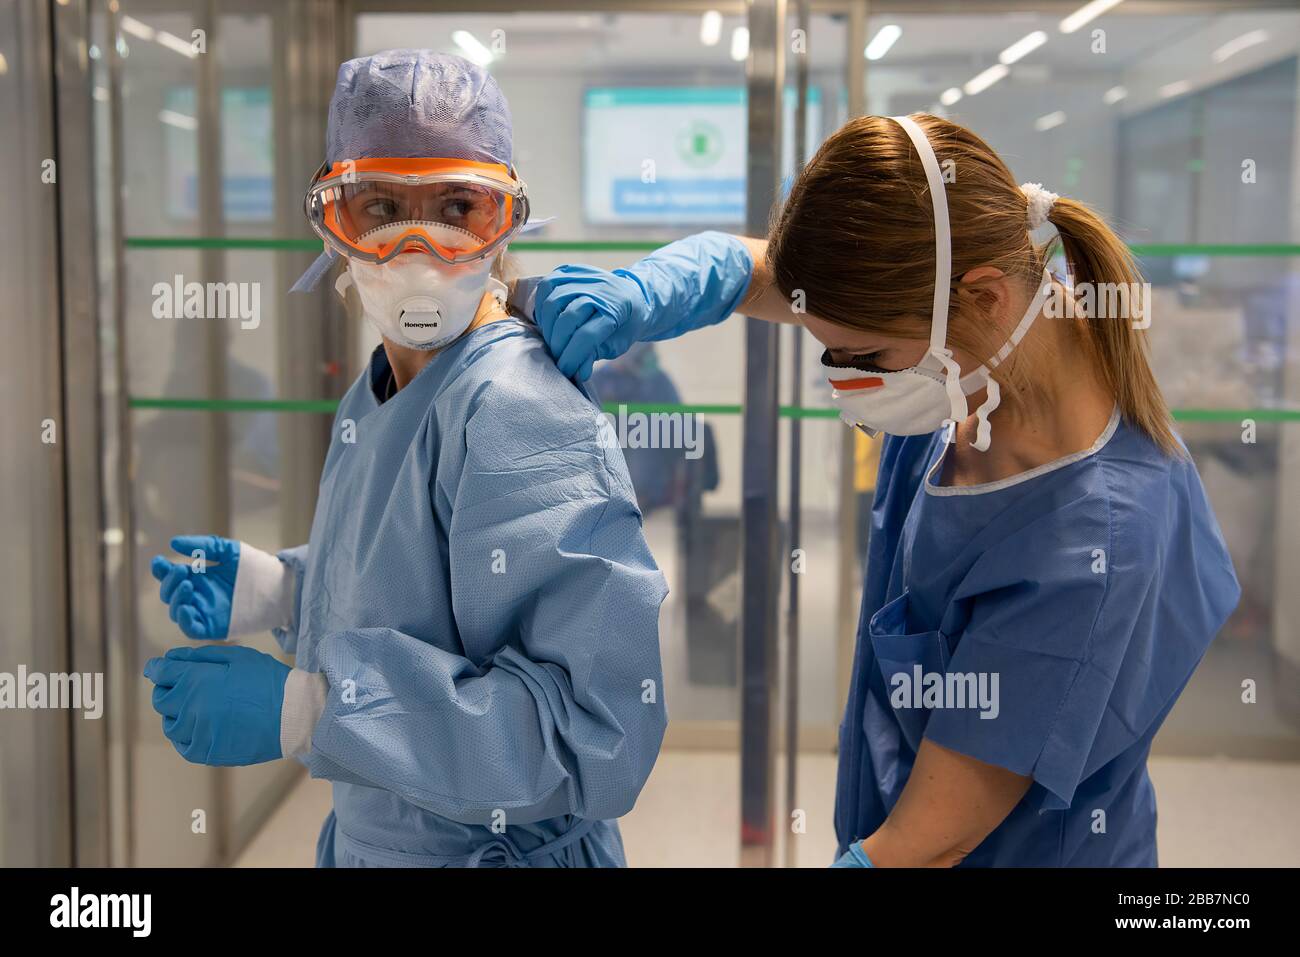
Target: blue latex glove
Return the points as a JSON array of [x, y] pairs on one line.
[[199, 601], [587, 313], [220, 705], [855, 856]]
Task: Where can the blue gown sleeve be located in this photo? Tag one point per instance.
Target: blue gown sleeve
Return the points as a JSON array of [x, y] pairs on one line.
[[555, 706], [296, 559]]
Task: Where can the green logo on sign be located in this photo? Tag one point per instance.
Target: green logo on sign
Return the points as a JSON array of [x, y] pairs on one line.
[[700, 143]]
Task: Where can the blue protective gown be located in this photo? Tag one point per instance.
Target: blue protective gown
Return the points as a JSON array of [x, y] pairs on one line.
[[480, 597], [1091, 586]]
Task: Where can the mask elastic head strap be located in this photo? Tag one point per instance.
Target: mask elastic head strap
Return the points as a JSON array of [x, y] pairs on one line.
[[983, 431], [942, 265], [1035, 307]]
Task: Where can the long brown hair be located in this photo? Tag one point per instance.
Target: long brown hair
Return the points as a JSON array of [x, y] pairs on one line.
[[856, 236]]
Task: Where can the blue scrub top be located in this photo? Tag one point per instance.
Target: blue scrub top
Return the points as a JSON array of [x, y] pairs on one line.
[[1078, 596]]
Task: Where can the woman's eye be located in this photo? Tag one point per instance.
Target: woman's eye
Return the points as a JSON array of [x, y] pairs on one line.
[[454, 209], [868, 359], [381, 208]]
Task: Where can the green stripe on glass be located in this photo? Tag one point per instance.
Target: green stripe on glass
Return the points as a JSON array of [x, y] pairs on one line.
[[649, 245], [786, 411], [234, 405], [1215, 249], [1236, 415], [220, 242], [315, 246]]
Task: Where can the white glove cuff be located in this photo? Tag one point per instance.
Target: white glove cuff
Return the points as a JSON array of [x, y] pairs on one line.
[[264, 591], [304, 703]]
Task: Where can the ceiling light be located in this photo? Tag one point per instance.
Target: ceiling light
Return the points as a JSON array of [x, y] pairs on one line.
[[740, 43], [1086, 14], [473, 49], [710, 28], [1243, 42], [885, 38], [1022, 47], [980, 83]]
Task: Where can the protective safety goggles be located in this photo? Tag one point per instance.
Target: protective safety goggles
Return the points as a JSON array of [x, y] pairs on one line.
[[374, 209]]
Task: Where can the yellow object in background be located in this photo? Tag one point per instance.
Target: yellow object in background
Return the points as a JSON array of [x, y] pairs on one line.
[[866, 460]]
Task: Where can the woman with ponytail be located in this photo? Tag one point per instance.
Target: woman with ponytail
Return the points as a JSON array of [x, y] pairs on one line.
[[1044, 571]]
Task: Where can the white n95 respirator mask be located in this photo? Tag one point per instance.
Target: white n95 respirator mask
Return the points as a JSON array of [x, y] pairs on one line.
[[911, 401], [418, 301], [919, 400]]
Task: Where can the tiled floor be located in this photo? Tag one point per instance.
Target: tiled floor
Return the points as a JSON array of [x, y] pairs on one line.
[[1213, 812]]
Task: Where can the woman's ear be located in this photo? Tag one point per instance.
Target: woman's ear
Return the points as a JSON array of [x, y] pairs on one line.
[[988, 287]]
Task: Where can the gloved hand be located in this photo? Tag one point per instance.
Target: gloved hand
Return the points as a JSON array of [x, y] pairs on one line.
[[220, 705], [855, 856], [587, 313], [200, 602]]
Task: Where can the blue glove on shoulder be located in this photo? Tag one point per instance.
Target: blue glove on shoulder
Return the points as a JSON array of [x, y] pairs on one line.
[[220, 705], [199, 601], [587, 313], [855, 856]]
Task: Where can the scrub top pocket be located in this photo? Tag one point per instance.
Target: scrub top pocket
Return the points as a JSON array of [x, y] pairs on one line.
[[900, 653]]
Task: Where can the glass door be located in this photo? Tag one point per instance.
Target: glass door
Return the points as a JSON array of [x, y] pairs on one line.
[[215, 110]]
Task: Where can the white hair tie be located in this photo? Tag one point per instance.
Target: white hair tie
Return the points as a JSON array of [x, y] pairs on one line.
[[1040, 203]]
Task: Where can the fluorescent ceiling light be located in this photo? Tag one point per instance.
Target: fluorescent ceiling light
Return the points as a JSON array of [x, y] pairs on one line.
[[1114, 95], [469, 45], [1243, 42], [950, 96], [980, 83], [1086, 14], [1022, 47], [178, 120], [740, 43], [176, 44], [137, 29], [1177, 88], [885, 38], [1049, 122], [710, 28], [164, 39]]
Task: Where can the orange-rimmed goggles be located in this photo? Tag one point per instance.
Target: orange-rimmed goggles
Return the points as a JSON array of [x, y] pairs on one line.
[[374, 209]]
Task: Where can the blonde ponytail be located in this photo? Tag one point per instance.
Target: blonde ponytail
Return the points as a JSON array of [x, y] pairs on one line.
[[1099, 259]]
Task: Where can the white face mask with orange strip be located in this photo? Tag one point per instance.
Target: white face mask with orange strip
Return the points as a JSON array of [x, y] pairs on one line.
[[921, 399]]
